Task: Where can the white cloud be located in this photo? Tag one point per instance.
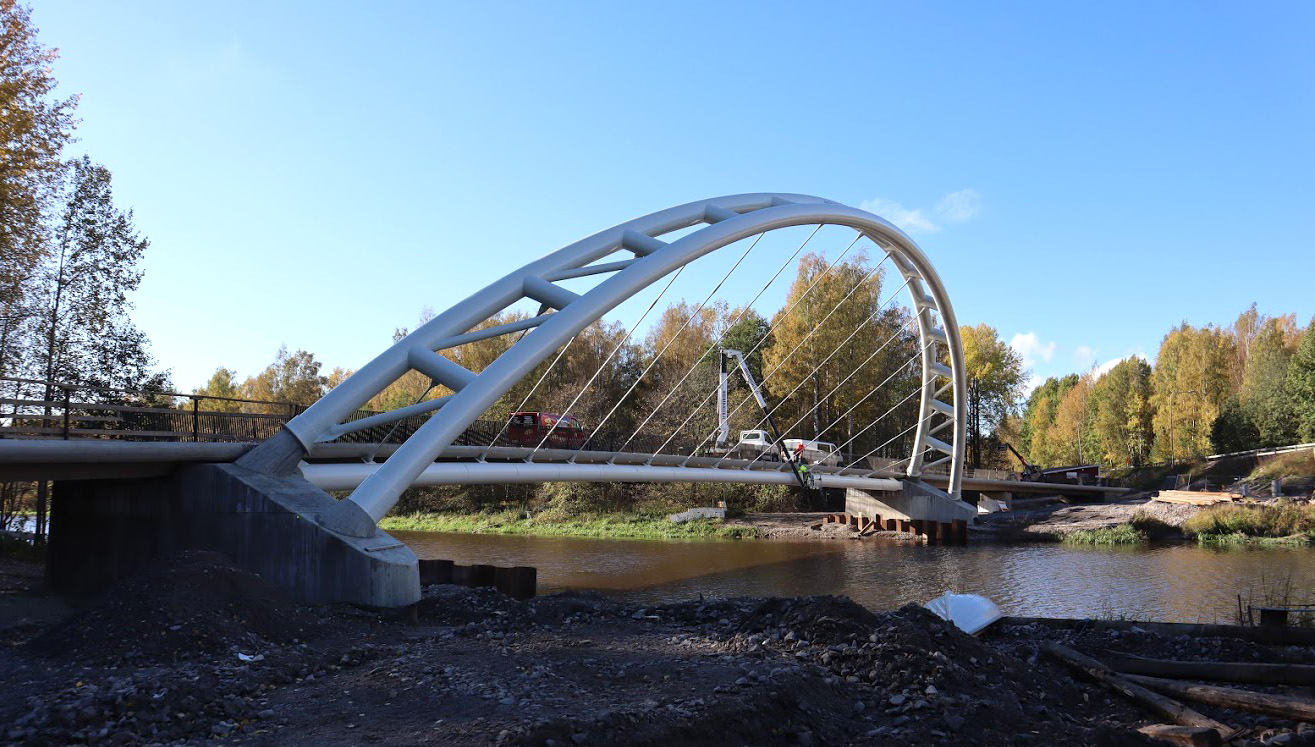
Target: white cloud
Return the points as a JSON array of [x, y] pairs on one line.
[[956, 207], [1105, 367], [910, 220], [1084, 353], [1031, 349]]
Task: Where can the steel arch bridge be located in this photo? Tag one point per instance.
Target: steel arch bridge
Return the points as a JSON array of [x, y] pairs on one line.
[[718, 222]]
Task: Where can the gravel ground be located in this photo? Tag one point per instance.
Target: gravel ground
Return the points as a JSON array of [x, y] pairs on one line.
[[201, 652]]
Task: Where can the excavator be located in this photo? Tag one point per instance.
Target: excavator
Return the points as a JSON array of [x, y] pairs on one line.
[[1031, 472]]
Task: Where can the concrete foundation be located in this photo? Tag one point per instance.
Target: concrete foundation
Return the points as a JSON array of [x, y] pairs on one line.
[[990, 502], [913, 502], [102, 530]]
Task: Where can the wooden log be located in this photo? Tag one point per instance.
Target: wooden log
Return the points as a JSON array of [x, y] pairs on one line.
[[1277, 636], [945, 533], [1167, 707], [1283, 706], [960, 531], [1195, 497], [1190, 736], [1219, 671], [930, 528]]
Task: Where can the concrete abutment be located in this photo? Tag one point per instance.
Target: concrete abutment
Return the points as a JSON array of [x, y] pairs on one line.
[[103, 530]]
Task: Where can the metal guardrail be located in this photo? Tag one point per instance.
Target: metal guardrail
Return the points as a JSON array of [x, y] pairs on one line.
[[33, 409], [1264, 452]]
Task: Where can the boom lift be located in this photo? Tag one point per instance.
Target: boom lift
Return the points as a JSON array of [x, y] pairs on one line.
[[723, 417]]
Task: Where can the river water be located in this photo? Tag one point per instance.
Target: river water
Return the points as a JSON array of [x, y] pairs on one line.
[[1171, 582]]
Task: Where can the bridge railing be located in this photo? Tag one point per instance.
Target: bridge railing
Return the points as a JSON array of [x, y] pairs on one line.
[[34, 409]]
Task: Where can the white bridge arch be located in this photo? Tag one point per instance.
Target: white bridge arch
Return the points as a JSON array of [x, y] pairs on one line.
[[725, 220]]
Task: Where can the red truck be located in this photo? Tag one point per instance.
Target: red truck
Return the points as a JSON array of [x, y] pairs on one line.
[[529, 428]]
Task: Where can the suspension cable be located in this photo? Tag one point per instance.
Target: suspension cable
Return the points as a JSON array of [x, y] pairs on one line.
[[768, 375], [818, 367], [771, 327], [892, 439], [607, 360], [670, 342], [722, 336], [883, 416], [887, 380], [521, 407]]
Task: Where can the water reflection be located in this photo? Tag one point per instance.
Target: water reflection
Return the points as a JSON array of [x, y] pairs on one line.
[[1172, 582]]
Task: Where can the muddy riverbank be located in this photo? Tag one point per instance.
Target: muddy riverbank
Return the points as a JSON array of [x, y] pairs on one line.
[[198, 651]]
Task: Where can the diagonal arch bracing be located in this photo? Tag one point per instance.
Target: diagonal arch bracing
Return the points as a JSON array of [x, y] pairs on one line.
[[939, 430]]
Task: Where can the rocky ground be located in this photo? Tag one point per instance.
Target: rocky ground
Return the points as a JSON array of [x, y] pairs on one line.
[[1047, 522], [196, 651]]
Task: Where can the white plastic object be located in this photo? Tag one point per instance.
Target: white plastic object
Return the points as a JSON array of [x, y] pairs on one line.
[[970, 612]]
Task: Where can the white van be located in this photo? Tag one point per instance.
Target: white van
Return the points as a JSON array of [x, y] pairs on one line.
[[814, 452], [756, 444]]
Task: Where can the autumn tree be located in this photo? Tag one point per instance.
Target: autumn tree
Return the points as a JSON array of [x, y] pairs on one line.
[[1123, 416], [1072, 436], [35, 126], [995, 381], [223, 384], [1189, 388], [1264, 394], [1041, 446], [841, 364], [293, 378], [1301, 384]]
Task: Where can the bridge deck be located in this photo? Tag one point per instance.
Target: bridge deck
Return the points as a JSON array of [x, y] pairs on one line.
[[22, 459]]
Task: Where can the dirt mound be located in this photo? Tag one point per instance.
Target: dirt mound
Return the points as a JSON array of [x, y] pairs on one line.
[[189, 605]]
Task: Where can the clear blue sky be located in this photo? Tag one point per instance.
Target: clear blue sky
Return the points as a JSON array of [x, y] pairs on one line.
[[315, 174]]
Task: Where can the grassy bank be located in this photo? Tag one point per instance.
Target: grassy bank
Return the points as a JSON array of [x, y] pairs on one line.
[[605, 526], [1123, 534], [1282, 523]]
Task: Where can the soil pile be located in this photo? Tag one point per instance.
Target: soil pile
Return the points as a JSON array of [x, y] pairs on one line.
[[193, 604]]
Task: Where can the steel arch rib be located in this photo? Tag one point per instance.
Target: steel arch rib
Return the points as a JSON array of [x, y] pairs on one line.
[[729, 219]]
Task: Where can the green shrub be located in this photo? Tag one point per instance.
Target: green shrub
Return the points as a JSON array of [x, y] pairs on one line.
[[1284, 519]]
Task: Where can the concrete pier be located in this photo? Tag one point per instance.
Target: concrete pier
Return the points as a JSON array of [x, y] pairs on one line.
[[920, 502], [103, 530]]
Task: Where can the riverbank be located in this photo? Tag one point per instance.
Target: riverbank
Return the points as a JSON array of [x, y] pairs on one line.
[[1140, 519], [198, 651], [600, 526]]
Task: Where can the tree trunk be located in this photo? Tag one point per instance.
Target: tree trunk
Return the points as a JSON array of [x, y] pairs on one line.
[[1167, 707], [817, 401], [1219, 671], [1283, 706]]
